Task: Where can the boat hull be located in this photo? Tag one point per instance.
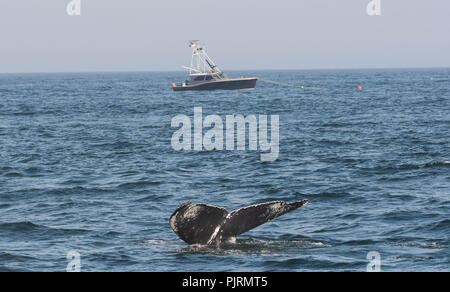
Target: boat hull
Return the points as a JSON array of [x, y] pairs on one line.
[[226, 84]]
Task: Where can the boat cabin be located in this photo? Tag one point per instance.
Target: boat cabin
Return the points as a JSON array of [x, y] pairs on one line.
[[202, 77]]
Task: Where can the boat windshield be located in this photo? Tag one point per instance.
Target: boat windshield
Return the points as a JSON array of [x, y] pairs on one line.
[[193, 78], [202, 77]]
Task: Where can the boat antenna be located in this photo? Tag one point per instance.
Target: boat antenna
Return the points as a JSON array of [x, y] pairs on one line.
[[193, 43]]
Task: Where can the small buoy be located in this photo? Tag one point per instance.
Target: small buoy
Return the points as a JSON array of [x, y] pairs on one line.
[[360, 87]]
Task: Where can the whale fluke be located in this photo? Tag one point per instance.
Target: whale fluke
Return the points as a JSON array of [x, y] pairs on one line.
[[207, 224]]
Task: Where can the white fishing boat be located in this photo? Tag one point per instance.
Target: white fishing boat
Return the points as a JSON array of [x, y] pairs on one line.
[[205, 75]]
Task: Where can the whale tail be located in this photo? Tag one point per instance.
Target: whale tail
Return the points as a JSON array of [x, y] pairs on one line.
[[195, 224], [206, 224], [247, 218]]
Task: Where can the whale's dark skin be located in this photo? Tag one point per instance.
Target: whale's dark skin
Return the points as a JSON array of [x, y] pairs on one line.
[[210, 225]]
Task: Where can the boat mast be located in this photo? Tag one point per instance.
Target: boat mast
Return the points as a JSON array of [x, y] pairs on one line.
[[201, 62]]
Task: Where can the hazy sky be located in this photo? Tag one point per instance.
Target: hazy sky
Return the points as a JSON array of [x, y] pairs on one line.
[[128, 35]]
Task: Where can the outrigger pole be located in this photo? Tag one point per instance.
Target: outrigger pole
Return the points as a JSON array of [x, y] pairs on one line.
[[201, 63]]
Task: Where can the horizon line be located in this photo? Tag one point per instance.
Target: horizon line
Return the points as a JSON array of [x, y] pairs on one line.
[[229, 70]]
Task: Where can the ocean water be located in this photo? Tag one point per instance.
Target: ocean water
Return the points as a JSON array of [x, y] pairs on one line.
[[86, 164]]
